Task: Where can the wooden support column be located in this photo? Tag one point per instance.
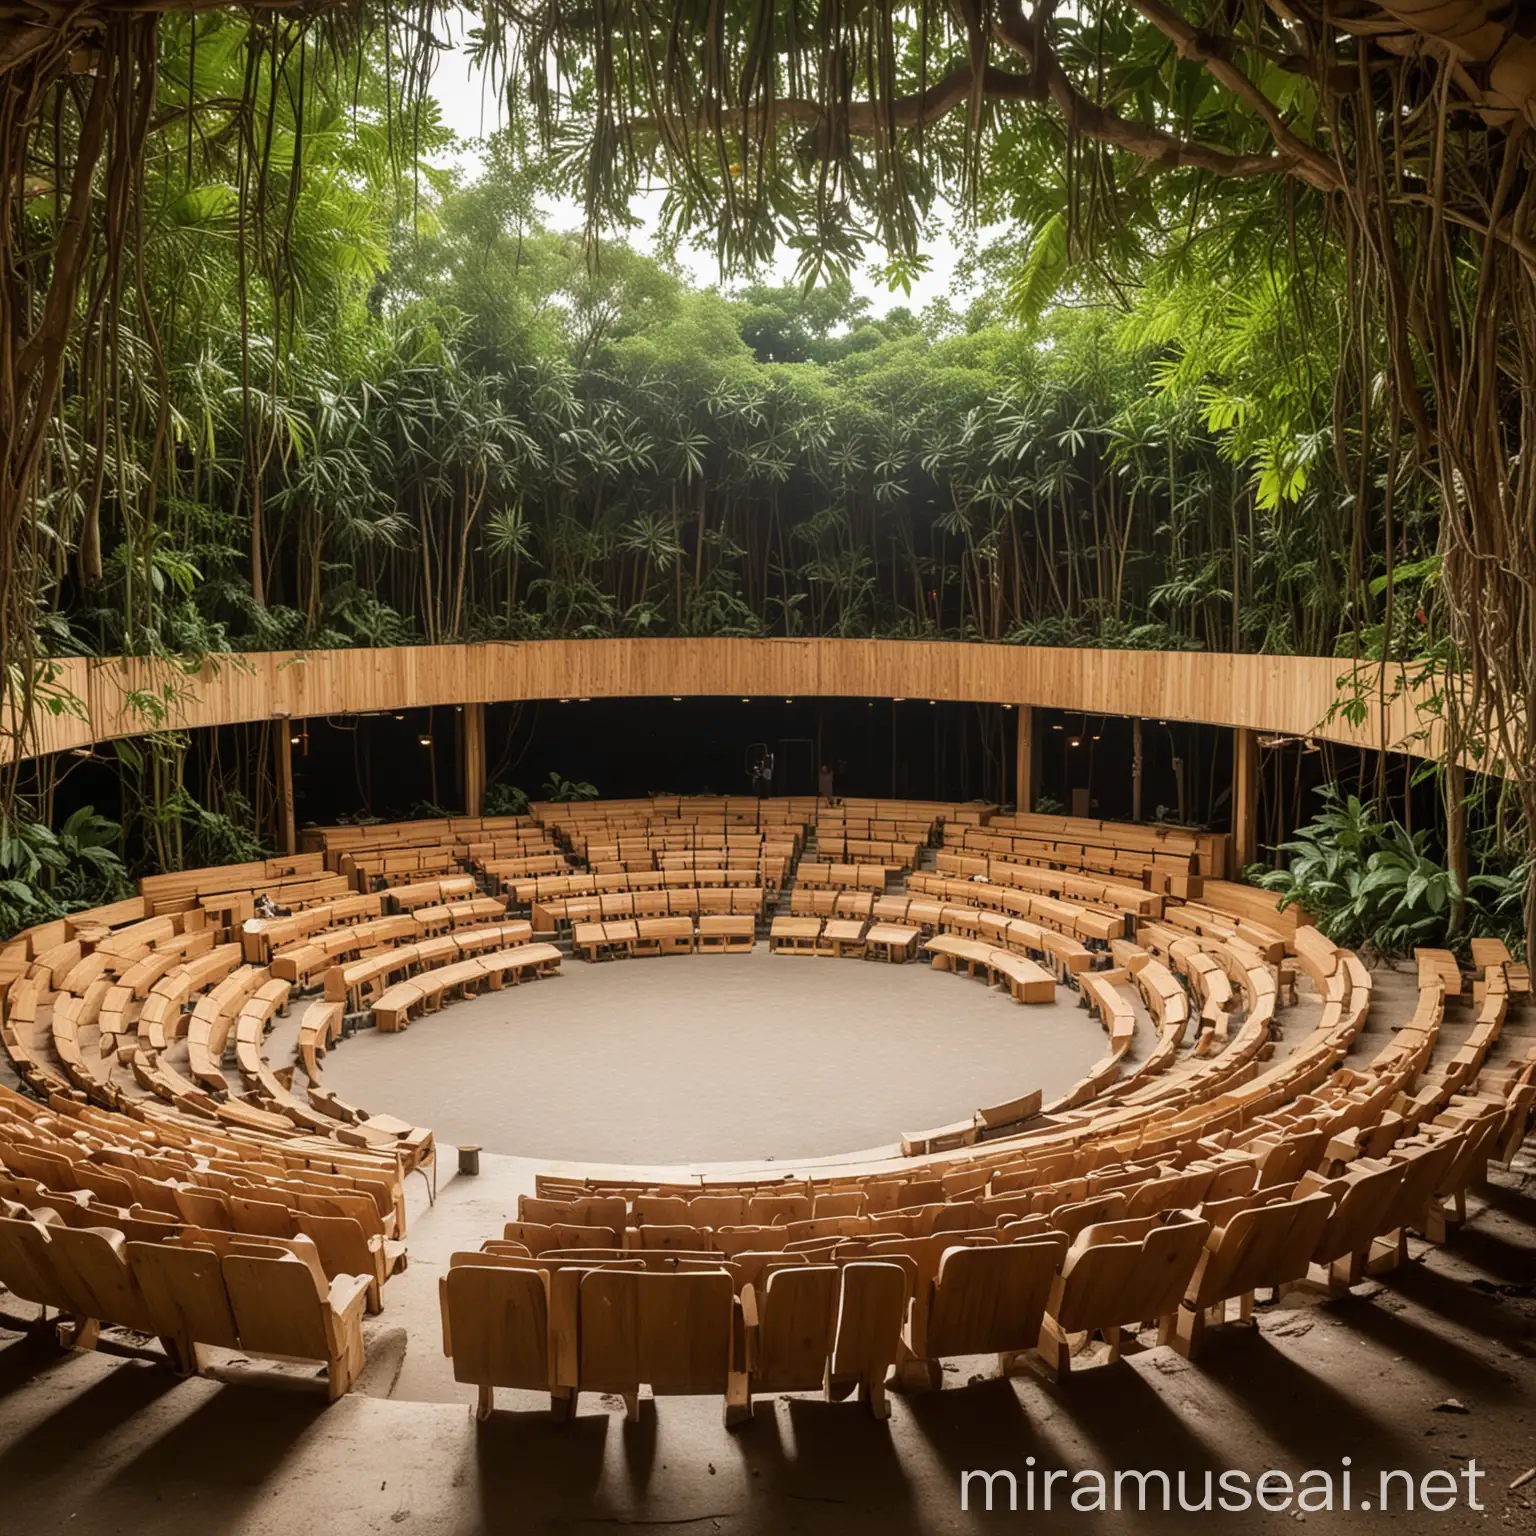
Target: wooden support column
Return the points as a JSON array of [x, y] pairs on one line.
[[282, 751], [1136, 764], [1456, 839], [1245, 796], [1024, 761], [472, 745]]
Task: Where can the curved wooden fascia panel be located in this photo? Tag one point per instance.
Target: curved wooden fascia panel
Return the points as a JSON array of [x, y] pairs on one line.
[[1289, 695]]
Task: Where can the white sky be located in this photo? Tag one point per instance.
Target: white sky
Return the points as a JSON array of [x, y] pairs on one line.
[[472, 111]]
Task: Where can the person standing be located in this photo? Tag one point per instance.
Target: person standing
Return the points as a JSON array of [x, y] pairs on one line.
[[824, 782]]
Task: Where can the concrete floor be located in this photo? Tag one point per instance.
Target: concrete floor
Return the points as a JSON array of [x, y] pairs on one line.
[[715, 1057]]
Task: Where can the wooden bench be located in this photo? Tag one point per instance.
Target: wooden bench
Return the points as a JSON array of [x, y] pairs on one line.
[[662, 936], [893, 942], [428, 989], [719, 934], [794, 935], [1025, 981], [843, 937]]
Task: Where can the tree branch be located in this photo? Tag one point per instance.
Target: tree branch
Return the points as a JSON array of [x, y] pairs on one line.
[[1310, 163], [1155, 145]]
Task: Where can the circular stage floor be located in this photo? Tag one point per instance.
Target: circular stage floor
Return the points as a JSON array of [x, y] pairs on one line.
[[715, 1058]]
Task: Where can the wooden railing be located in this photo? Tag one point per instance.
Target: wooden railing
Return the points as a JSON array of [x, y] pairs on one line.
[[96, 700]]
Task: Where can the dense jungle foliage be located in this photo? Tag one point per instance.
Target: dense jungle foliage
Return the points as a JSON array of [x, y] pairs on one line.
[[331, 393], [411, 412]]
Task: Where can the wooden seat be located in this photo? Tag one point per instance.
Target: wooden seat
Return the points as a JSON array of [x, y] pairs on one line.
[[496, 1327], [1266, 1241], [183, 1288], [671, 1332], [836, 1328], [1118, 1273], [794, 935], [721, 934], [286, 1307], [981, 1300]]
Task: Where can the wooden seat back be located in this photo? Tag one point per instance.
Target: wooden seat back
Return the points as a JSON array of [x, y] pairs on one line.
[[796, 1327], [986, 1300], [669, 1331], [496, 1324]]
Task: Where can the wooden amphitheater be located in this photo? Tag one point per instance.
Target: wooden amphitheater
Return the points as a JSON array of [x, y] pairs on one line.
[[1268, 1124], [171, 1174]]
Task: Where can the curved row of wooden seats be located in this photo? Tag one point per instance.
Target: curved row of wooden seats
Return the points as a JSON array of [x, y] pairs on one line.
[[506, 872], [682, 901], [1086, 924], [834, 849], [151, 1157], [430, 893], [683, 869], [341, 1227], [837, 821], [262, 937], [1181, 1264], [1023, 980], [1112, 896], [453, 916], [781, 1321], [808, 903], [89, 1170], [215, 1015], [1208, 922], [357, 982], [1499, 968], [1056, 951], [302, 959], [256, 1299], [652, 936], [558, 887], [332, 843], [1010, 1286], [817, 875], [427, 989], [221, 993]]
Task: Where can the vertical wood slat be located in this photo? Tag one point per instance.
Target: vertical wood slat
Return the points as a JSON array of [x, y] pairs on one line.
[[1024, 760], [1290, 695], [472, 739], [282, 751], [1245, 796]]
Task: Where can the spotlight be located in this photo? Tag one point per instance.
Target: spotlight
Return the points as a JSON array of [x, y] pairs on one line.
[[789, 701], [677, 698], [426, 741], [1077, 741], [933, 701], [399, 717], [295, 739], [586, 700], [898, 701], [745, 699], [1095, 735], [1058, 727], [565, 701]]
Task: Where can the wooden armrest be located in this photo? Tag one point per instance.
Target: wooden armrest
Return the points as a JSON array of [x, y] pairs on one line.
[[348, 1295]]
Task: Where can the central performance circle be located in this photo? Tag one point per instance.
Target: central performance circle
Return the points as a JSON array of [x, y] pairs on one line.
[[715, 1058]]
